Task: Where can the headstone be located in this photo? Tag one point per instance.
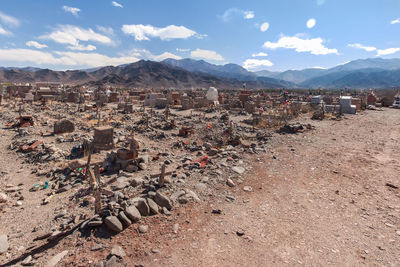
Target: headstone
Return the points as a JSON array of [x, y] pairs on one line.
[[64, 126], [103, 138]]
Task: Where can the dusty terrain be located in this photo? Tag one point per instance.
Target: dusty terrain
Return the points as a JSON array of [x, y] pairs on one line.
[[329, 196]]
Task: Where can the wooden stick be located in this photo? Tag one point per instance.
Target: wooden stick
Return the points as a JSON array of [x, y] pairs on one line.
[[161, 180], [97, 205], [88, 162]]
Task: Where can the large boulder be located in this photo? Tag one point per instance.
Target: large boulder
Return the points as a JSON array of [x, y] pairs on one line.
[[163, 201], [143, 207], [133, 213], [113, 224]]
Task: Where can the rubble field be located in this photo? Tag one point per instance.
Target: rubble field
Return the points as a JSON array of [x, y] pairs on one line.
[[168, 187]]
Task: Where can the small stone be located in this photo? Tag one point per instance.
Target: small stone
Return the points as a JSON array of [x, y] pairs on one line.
[[398, 232], [18, 203], [137, 181], [200, 187], [53, 262], [143, 229], [113, 224], [175, 228], [142, 166], [163, 201], [212, 152], [118, 251], [3, 198], [145, 158], [230, 183], [155, 251], [153, 206], [248, 188], [112, 262], [27, 261], [239, 232], [143, 207], [216, 211], [3, 244], [389, 225], [124, 219], [190, 195], [96, 247], [133, 214], [166, 211], [95, 223], [239, 170]]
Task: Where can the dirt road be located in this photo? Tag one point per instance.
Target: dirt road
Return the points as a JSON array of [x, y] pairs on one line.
[[321, 200]]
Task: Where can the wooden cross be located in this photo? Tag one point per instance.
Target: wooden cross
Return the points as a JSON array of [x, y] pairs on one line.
[[161, 176], [166, 112], [98, 116]]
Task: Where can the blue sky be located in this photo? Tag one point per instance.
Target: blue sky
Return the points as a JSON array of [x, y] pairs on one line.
[[271, 35]]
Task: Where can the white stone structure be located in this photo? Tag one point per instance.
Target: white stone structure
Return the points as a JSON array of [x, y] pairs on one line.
[[346, 106]]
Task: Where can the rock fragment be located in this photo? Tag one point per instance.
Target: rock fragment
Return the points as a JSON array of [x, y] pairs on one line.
[[113, 224]]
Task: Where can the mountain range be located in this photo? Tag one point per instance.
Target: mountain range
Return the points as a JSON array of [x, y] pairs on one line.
[[189, 73]]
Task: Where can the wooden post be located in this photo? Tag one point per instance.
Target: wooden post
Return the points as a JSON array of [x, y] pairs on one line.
[[161, 179], [89, 152], [96, 187], [166, 112], [99, 116]]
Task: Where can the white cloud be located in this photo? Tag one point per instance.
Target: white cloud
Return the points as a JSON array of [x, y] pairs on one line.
[[28, 55], [144, 32], [363, 47], [9, 20], [73, 10], [183, 49], [72, 35], [249, 14], [92, 59], [80, 47], [206, 54], [264, 27], [106, 30], [116, 4], [395, 21], [311, 23], [234, 12], [256, 63], [4, 31], [314, 46], [35, 44], [388, 51], [261, 54], [320, 2], [62, 58], [318, 67], [77, 59], [379, 52]]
